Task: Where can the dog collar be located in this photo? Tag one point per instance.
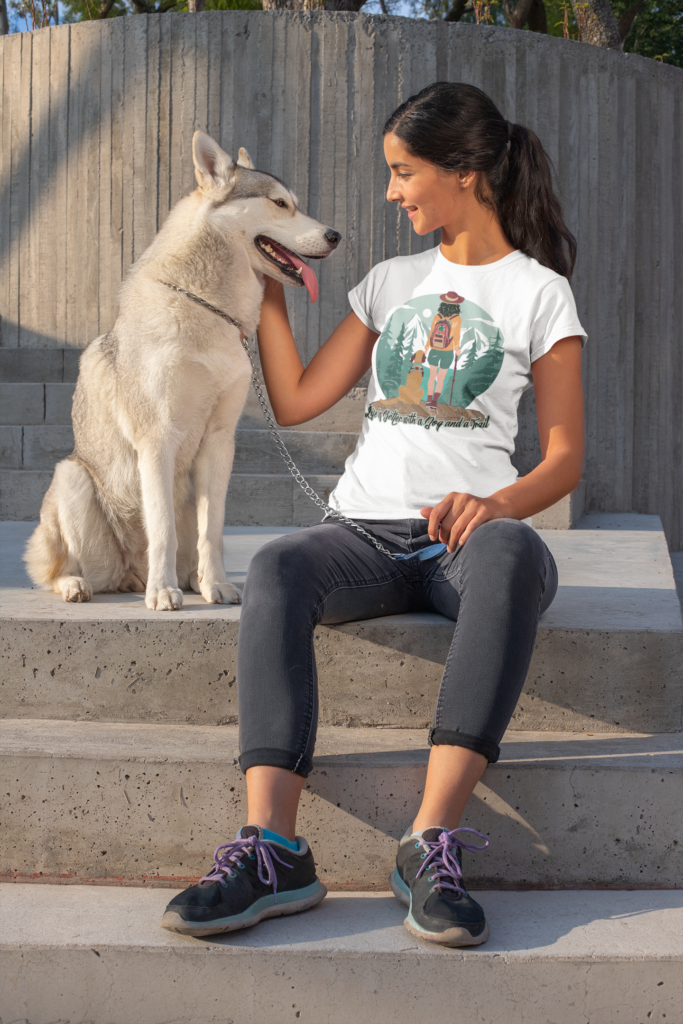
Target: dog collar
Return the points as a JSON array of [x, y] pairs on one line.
[[205, 304]]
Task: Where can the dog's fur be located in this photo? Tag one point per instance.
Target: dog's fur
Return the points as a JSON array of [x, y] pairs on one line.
[[139, 505]]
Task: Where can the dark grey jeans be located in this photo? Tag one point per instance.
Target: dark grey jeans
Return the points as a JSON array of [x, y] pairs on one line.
[[494, 588]]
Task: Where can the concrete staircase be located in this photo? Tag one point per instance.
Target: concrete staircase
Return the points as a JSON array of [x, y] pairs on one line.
[[118, 752]]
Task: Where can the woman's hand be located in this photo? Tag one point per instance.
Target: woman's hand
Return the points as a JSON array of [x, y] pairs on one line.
[[457, 516], [559, 410]]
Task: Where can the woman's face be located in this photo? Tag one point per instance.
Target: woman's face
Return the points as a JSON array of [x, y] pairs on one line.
[[432, 198]]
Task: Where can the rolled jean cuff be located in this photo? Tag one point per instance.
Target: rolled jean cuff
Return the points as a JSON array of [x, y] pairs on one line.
[[274, 758], [449, 738]]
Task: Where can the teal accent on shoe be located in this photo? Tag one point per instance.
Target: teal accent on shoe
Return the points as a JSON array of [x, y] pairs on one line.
[[273, 837], [400, 884], [269, 901]]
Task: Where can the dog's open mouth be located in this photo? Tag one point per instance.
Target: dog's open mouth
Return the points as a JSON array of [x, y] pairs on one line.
[[289, 263]]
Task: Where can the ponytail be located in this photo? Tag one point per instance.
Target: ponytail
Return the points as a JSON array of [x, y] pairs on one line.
[[458, 127]]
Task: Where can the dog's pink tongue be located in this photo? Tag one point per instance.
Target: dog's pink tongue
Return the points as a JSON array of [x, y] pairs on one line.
[[307, 276]]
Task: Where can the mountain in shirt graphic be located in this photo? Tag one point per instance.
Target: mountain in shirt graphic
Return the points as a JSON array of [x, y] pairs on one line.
[[435, 356]]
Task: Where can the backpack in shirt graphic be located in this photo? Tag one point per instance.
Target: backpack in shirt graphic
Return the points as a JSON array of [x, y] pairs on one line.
[[441, 335]]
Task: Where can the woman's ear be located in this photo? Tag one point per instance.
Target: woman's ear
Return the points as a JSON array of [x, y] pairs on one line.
[[213, 169], [467, 179]]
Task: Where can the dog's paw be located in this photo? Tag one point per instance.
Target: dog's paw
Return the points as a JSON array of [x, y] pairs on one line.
[[194, 582], [75, 588], [167, 599], [219, 593]]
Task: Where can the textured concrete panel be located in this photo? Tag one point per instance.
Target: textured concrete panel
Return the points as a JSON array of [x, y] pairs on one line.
[[22, 492], [613, 958], [92, 800], [313, 451], [46, 445], [88, 120], [607, 657], [10, 447], [22, 404], [58, 399]]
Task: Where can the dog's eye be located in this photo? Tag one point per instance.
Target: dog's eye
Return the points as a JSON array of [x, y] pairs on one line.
[[280, 202]]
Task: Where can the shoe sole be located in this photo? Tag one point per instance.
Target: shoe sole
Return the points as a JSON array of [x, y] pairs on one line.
[[451, 937], [305, 899]]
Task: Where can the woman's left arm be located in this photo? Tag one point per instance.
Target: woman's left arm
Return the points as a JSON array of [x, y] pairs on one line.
[[559, 409]]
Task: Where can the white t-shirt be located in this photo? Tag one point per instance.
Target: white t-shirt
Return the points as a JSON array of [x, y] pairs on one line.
[[453, 358]]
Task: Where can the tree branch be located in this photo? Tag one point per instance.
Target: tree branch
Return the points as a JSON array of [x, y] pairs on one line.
[[4, 20], [456, 11], [538, 19], [105, 8], [628, 17], [519, 14]]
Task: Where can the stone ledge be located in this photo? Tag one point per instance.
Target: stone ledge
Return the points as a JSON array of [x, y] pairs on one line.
[[565, 957], [607, 657], [143, 804]]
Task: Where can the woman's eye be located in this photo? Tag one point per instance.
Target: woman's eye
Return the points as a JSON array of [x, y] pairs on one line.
[[280, 202]]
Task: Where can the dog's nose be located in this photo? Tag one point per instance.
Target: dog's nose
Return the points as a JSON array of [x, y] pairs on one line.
[[333, 237]]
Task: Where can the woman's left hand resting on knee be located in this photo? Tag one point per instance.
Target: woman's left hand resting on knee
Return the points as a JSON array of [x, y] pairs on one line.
[[559, 410]]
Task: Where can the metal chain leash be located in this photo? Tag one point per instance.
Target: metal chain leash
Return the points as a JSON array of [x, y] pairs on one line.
[[275, 433]]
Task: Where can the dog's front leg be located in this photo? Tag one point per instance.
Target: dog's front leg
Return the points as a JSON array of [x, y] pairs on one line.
[[211, 475], [156, 464]]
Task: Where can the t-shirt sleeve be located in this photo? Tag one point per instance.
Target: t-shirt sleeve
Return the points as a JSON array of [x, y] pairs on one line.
[[555, 318], [366, 299]]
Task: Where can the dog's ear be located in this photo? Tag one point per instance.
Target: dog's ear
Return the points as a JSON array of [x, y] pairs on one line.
[[213, 168], [244, 160]]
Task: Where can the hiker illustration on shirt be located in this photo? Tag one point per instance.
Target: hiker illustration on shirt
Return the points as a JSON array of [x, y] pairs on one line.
[[443, 345]]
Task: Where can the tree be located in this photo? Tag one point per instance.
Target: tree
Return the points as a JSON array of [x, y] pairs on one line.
[[393, 375], [4, 19]]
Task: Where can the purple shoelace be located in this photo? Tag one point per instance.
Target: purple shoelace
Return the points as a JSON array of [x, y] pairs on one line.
[[228, 856], [442, 858]]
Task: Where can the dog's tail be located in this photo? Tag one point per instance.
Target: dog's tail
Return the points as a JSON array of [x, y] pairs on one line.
[[46, 552]]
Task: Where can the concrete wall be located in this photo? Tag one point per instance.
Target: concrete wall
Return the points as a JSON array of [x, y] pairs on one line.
[[95, 129]]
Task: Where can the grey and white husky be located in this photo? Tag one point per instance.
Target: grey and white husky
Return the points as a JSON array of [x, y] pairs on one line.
[[139, 505]]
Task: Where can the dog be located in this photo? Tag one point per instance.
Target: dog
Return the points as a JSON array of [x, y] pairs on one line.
[[140, 504]]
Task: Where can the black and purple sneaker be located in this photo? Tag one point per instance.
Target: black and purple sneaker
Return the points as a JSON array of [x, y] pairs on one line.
[[252, 878], [428, 879]]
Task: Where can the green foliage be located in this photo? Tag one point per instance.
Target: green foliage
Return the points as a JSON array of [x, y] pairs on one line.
[[86, 10], [657, 31]]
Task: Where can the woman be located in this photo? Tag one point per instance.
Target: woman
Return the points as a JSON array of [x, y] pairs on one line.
[[443, 344], [456, 165]]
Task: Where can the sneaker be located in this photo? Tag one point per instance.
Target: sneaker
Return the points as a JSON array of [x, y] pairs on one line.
[[428, 879], [252, 878]]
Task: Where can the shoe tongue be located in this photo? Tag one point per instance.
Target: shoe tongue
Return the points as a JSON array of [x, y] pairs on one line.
[[430, 835], [247, 831]]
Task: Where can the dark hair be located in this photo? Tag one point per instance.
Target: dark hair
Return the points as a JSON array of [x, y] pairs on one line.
[[449, 309], [458, 127]]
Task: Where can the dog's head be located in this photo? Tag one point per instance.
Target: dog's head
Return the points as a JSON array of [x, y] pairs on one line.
[[277, 234]]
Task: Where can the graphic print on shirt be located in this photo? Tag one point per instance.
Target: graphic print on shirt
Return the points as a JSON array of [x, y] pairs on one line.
[[435, 356]]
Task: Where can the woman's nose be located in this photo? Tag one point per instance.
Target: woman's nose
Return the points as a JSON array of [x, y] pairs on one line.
[[393, 193]]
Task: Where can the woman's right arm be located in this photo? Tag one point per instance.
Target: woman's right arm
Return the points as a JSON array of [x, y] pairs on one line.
[[298, 394]]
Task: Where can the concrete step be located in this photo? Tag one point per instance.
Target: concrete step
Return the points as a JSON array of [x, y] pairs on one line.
[[95, 954], [40, 447], [39, 365], [148, 803], [607, 659], [254, 499], [33, 404]]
